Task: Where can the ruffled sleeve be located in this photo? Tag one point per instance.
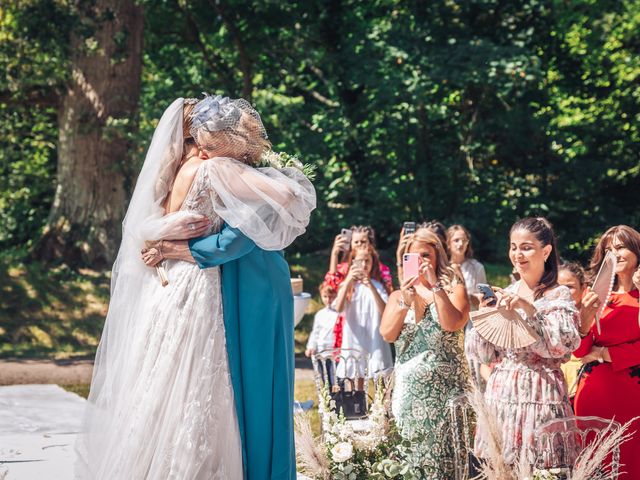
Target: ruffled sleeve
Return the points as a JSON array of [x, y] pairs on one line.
[[478, 349], [556, 322], [334, 279], [270, 206]]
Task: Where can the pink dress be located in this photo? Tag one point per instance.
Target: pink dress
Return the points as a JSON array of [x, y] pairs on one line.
[[527, 387]]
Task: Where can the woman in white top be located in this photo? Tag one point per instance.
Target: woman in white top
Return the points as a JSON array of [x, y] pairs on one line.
[[362, 297], [461, 254], [472, 271]]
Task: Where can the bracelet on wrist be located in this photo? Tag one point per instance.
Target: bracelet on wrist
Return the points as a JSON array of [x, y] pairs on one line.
[[437, 286], [402, 304]]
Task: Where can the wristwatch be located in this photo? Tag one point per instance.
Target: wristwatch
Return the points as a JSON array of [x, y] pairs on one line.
[[437, 286]]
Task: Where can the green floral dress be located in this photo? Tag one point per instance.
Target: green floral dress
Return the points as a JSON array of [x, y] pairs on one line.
[[430, 370]]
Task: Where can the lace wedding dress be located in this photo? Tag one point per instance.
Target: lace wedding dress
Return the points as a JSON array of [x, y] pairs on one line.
[[167, 411]]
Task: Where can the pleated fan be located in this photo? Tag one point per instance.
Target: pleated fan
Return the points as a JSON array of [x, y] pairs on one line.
[[505, 328], [603, 284]]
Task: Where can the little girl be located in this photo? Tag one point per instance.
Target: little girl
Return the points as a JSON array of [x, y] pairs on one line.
[[362, 297]]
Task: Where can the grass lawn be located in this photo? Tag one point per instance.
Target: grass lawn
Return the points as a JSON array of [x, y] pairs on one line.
[[59, 313]]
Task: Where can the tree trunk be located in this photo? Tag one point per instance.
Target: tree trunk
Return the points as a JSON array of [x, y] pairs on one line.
[[96, 117]]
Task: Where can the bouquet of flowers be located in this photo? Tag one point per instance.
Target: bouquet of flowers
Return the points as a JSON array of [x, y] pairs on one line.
[[280, 160]]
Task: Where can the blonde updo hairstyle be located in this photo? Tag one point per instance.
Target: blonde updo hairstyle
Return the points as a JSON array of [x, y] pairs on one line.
[[444, 272], [244, 142]]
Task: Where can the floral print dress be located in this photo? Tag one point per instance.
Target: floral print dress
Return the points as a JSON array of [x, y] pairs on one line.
[[430, 370], [527, 388]]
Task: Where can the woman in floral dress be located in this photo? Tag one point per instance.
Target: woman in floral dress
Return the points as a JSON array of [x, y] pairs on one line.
[[426, 322], [527, 387]]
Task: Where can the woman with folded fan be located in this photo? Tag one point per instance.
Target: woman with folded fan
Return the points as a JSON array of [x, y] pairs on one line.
[[610, 385], [425, 319], [527, 387]]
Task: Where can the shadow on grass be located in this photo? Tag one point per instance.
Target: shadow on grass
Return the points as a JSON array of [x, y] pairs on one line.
[[50, 312]]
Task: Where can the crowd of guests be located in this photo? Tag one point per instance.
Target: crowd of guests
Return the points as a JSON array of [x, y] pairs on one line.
[[438, 355]]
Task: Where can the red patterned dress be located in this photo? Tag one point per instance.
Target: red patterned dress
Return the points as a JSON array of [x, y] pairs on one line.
[[612, 389]]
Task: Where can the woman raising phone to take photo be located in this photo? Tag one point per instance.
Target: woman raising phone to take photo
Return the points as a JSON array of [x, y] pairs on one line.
[[362, 299], [425, 319]]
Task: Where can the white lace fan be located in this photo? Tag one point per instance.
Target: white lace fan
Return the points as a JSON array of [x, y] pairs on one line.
[[505, 328], [603, 284]]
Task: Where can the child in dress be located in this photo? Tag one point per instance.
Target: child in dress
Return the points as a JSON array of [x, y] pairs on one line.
[[321, 337]]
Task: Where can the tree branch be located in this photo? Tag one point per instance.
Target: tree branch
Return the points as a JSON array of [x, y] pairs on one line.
[[245, 60]]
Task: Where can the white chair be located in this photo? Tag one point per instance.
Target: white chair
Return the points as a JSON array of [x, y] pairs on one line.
[[462, 424], [560, 441], [350, 392]]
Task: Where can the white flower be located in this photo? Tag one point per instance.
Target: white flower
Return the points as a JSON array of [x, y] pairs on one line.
[[342, 452], [330, 438]]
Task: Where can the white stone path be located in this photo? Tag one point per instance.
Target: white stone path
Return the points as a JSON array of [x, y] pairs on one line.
[[38, 428]]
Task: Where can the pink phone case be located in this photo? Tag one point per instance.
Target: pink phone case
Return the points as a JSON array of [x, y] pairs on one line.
[[410, 265]]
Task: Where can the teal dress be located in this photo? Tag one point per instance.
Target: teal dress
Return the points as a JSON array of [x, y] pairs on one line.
[[430, 370], [258, 317]]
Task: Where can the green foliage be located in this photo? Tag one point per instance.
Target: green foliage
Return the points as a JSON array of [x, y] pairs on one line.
[[475, 112]]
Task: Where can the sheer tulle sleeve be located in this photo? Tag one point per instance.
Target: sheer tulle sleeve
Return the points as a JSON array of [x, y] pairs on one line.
[[270, 206], [556, 321], [478, 349]]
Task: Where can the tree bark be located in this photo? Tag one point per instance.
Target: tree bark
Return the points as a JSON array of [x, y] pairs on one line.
[[96, 116]]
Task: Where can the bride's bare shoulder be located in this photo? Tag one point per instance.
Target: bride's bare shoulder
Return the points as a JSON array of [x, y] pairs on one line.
[[182, 183]]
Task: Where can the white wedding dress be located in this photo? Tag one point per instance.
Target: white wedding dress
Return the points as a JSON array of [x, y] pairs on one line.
[[168, 410]]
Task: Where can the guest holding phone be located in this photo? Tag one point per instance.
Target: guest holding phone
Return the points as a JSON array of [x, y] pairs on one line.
[[362, 299], [610, 386], [408, 229], [425, 319], [344, 246], [527, 388]]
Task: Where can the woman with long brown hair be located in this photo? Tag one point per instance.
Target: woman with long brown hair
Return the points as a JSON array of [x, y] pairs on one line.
[[527, 388], [610, 384]]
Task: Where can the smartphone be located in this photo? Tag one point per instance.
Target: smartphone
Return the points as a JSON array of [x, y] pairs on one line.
[[347, 233], [487, 293], [409, 227], [357, 263], [410, 265]]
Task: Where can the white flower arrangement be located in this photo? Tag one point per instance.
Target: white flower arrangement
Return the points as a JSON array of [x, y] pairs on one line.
[[344, 454], [280, 160]]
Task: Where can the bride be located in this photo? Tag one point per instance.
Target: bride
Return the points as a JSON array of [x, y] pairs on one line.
[[161, 403]]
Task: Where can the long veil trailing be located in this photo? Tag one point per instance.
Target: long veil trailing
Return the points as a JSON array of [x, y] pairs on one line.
[[144, 220], [271, 206]]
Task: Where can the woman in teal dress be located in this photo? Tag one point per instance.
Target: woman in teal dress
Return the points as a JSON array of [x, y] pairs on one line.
[[425, 319], [264, 210]]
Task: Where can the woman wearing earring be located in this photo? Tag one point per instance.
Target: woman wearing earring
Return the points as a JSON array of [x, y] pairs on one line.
[[610, 385], [527, 388]]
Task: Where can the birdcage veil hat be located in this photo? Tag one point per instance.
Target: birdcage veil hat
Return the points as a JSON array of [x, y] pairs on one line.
[[230, 126]]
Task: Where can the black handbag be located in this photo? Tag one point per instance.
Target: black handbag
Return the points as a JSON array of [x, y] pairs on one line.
[[352, 402]]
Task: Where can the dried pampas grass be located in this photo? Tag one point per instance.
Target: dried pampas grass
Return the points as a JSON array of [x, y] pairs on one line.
[[312, 457], [588, 465], [591, 463], [493, 467]]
